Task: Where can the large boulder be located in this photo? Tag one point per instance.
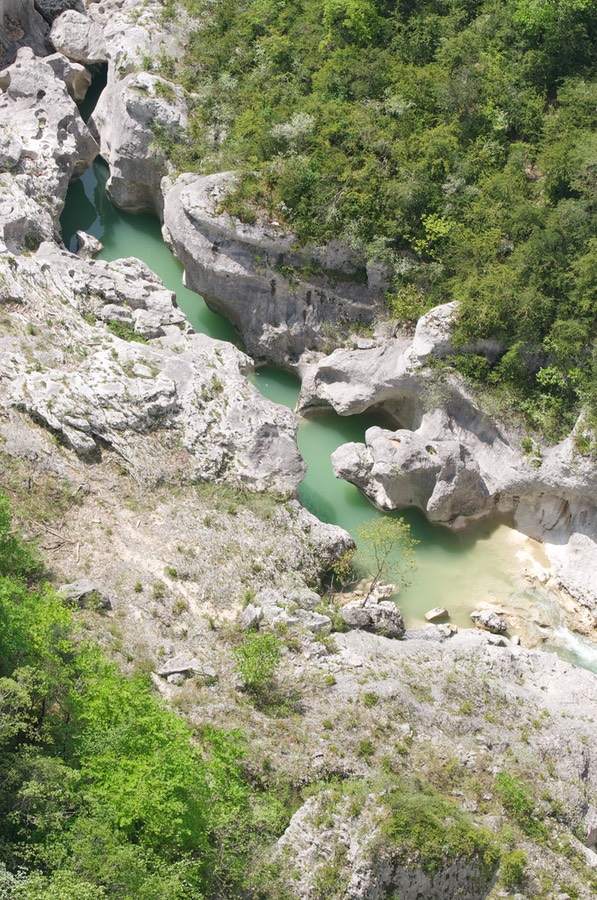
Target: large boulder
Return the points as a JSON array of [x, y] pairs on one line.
[[84, 593], [75, 76], [78, 38], [42, 126], [129, 113], [379, 616], [399, 469], [282, 297]]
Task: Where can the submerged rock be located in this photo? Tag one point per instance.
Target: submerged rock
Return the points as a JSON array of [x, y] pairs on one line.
[[439, 612]]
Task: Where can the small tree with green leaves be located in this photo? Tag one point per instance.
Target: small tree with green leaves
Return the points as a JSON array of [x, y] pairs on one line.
[[387, 551]]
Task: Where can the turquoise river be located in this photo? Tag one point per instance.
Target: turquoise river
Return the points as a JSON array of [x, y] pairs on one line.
[[458, 571]]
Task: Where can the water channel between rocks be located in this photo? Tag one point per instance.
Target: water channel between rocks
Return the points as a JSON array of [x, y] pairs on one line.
[[488, 563]]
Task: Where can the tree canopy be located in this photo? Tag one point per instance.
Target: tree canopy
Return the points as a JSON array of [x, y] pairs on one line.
[[453, 138]]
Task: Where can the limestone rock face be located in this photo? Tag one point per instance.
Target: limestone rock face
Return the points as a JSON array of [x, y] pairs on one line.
[[21, 25], [277, 294], [78, 38], [182, 402], [125, 291], [440, 477], [350, 826], [75, 76], [51, 9], [45, 144], [127, 114], [134, 105]]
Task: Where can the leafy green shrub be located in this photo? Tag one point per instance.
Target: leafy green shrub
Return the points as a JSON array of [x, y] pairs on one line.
[[105, 790], [425, 825], [366, 748], [513, 868], [17, 558], [370, 699], [257, 659], [476, 180], [125, 331], [519, 804]]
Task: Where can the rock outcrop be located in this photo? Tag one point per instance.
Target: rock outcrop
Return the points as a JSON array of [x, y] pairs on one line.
[[449, 458], [127, 118], [136, 108], [78, 38], [96, 391], [280, 296], [21, 25], [44, 145], [363, 837]]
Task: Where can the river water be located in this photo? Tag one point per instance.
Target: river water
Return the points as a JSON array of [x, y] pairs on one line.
[[489, 563]]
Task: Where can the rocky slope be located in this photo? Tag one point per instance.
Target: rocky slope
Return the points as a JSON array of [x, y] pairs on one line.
[[129, 460]]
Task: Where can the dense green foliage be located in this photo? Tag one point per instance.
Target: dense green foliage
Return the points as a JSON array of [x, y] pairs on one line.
[[454, 138], [104, 791], [257, 659]]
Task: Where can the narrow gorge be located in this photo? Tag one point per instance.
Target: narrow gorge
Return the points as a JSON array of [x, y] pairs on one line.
[[203, 467]]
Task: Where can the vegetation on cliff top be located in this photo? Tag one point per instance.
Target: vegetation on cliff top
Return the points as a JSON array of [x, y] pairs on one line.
[[454, 138]]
